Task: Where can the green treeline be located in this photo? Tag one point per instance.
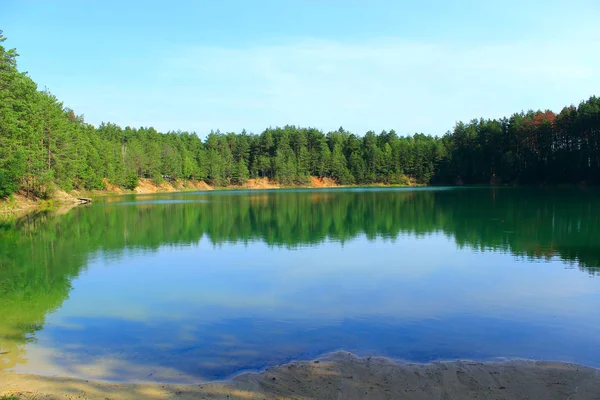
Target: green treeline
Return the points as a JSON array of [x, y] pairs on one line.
[[44, 146]]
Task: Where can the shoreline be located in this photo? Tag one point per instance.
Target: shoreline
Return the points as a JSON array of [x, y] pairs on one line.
[[19, 204], [341, 375]]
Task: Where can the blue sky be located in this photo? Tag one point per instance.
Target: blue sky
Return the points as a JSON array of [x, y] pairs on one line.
[[379, 64]]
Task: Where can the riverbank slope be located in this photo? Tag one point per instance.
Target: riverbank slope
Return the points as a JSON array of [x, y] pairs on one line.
[[19, 202], [342, 375]]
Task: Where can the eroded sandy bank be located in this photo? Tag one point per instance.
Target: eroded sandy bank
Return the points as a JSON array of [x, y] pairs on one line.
[[344, 376]]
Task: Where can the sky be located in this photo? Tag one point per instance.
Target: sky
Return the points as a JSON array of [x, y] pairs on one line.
[[412, 66]]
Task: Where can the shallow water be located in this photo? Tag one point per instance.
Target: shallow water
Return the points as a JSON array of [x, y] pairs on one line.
[[192, 286]]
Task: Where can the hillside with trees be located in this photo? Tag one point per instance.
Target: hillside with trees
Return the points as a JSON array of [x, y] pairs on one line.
[[46, 146]]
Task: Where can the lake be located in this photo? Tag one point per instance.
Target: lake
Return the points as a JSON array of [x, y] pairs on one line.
[[204, 285]]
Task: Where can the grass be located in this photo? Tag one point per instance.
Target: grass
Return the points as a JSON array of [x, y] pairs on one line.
[[9, 397]]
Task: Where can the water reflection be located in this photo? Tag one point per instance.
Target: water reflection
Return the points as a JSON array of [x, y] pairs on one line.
[[207, 284]]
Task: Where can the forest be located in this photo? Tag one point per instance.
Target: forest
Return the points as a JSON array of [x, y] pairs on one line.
[[45, 146]]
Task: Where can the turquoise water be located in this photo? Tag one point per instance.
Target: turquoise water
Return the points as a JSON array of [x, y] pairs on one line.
[[196, 286]]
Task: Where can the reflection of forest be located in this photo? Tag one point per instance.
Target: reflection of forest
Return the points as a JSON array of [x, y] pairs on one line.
[[41, 253]]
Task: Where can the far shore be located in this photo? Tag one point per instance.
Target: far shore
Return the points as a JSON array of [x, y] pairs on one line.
[[20, 204], [342, 375]]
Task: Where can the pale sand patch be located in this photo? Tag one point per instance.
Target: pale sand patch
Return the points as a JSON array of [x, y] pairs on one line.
[[344, 376], [322, 182], [260, 183]]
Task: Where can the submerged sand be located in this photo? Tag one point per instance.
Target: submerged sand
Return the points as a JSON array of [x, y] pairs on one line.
[[344, 376]]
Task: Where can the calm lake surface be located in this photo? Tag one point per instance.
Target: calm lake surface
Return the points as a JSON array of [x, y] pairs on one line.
[[191, 286]]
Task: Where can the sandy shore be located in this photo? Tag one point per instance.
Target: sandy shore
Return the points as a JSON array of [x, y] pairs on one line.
[[343, 376]]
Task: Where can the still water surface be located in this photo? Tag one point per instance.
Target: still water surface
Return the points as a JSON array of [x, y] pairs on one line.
[[191, 286]]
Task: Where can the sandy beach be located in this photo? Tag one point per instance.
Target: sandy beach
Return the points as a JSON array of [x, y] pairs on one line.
[[342, 375]]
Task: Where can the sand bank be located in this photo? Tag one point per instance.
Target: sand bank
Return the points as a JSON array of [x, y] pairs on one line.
[[343, 376]]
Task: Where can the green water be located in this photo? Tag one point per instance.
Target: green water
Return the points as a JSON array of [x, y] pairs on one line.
[[204, 285]]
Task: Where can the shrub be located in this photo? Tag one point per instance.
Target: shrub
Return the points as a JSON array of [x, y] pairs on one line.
[[131, 181]]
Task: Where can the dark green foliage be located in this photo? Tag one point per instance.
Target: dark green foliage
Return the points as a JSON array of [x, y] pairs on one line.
[[131, 181], [8, 183], [11, 169], [533, 147]]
